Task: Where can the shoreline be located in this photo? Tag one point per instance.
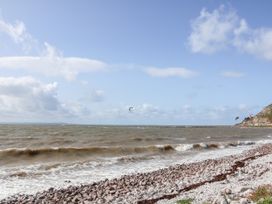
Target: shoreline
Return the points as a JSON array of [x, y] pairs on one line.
[[165, 185]]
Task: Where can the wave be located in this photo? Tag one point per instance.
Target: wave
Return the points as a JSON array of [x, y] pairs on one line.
[[44, 168], [47, 169], [71, 153], [219, 145], [83, 151]]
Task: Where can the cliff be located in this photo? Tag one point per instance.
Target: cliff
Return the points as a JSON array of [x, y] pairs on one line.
[[262, 119]]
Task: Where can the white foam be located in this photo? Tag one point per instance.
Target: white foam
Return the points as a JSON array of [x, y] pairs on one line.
[[183, 147], [264, 141], [248, 142], [221, 146], [203, 145], [88, 172]]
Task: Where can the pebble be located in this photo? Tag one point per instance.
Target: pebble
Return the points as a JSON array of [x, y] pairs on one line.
[[247, 193], [244, 201], [244, 188], [227, 191]]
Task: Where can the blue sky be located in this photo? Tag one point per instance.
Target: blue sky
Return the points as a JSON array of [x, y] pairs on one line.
[[175, 62]]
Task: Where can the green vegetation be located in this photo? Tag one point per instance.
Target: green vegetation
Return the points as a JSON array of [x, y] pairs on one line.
[[262, 195], [185, 201], [269, 115], [267, 200]]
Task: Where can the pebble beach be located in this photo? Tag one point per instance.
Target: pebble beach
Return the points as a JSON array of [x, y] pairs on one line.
[[229, 179]]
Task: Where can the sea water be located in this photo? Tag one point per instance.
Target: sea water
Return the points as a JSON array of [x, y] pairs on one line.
[[36, 157]]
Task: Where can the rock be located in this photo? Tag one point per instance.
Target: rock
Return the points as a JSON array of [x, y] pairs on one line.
[[244, 188], [262, 119], [51, 189], [244, 201], [241, 178], [224, 201], [87, 202], [109, 198], [227, 191], [119, 200], [246, 193], [75, 199], [220, 200]]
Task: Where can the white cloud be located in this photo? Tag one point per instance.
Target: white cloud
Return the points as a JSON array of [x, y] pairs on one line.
[[223, 28], [48, 60], [52, 64], [18, 33], [257, 42], [170, 72], [147, 109], [211, 31], [28, 99], [26, 94], [147, 113], [232, 74], [242, 28]]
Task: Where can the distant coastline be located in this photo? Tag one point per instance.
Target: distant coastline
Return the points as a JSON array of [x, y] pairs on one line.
[[261, 119]]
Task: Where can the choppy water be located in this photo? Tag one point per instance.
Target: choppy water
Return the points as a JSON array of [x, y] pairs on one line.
[[36, 157]]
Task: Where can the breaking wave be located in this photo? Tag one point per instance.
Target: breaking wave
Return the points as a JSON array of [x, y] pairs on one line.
[[83, 151], [114, 150]]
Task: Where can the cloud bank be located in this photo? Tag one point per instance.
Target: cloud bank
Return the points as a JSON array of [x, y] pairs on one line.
[[26, 94], [25, 98]]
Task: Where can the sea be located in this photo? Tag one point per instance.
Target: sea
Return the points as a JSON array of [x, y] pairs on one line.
[[36, 157]]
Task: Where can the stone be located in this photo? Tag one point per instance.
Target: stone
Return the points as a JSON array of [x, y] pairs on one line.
[[244, 188], [244, 201], [234, 202], [75, 199], [228, 191], [220, 200], [224, 201], [109, 198], [87, 202], [246, 193]]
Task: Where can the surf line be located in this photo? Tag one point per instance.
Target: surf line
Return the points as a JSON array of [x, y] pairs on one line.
[[220, 177]]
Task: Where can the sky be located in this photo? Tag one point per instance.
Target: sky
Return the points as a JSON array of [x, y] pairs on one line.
[[175, 62]]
